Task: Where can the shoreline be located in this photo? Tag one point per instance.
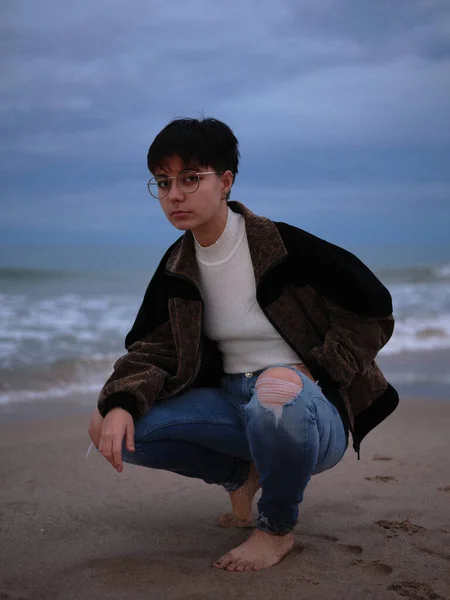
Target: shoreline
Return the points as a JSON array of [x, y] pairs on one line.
[[81, 404], [413, 374]]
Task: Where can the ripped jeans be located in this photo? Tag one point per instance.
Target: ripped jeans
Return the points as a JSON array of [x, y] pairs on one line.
[[214, 434]]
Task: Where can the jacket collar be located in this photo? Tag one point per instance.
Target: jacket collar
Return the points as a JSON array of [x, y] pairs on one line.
[[264, 241]]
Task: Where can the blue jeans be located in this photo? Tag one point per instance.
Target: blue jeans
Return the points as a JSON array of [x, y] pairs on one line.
[[214, 434]]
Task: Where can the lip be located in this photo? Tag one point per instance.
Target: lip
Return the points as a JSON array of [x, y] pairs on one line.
[[179, 213]]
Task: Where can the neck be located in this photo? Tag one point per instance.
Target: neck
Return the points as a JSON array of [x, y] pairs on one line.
[[208, 233]]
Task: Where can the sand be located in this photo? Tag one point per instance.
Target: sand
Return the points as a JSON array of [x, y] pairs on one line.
[[72, 528]]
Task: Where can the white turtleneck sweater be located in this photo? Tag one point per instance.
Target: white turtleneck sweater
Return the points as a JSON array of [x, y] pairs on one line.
[[232, 317]]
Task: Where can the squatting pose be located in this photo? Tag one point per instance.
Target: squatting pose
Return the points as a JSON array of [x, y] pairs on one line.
[[251, 359]]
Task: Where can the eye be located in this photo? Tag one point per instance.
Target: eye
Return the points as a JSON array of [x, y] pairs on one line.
[[190, 178], [163, 183]]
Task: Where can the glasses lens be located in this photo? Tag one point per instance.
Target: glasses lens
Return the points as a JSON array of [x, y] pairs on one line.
[[188, 182], [158, 189]]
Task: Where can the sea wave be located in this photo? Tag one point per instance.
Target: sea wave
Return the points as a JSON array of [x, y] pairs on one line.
[[61, 332], [409, 274], [58, 391], [415, 274], [44, 330], [416, 377], [12, 275], [67, 326], [419, 334], [85, 378], [57, 380]]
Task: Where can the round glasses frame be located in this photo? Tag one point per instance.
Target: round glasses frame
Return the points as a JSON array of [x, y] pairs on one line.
[[153, 185]]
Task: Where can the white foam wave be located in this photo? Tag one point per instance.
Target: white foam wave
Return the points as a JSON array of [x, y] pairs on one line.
[[418, 377], [418, 335], [59, 391], [68, 326], [86, 325], [420, 299], [443, 271]]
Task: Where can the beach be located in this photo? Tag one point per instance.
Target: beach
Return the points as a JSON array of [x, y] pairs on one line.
[[74, 529], [71, 528]]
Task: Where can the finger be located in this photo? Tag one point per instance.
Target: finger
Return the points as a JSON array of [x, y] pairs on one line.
[[117, 455], [102, 441], [106, 449], [103, 447], [130, 438]]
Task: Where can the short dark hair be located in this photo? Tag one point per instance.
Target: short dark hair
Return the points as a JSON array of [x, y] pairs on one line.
[[198, 143]]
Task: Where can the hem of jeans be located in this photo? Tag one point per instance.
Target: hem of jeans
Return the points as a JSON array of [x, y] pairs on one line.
[[232, 486], [263, 525]]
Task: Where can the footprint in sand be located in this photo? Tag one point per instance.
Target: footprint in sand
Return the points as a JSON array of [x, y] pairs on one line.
[[383, 478], [431, 552], [414, 590], [394, 527], [350, 548], [119, 571], [444, 488], [373, 566], [334, 540], [321, 536]]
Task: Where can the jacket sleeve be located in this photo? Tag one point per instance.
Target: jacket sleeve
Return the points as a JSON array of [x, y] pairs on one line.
[[138, 377], [350, 345], [359, 313]]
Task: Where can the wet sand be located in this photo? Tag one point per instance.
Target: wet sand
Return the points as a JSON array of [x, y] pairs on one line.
[[73, 529]]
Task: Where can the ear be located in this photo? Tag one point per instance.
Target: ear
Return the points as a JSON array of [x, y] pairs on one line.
[[227, 181]]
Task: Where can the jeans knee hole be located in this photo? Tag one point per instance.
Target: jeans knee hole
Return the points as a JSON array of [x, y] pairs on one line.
[[274, 394]]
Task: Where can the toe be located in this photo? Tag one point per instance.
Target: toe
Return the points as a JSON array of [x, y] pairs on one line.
[[223, 562]]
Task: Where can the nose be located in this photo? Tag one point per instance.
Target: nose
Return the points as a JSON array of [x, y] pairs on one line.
[[175, 194]]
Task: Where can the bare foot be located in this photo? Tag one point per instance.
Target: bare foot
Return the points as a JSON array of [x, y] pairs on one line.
[[241, 502], [260, 551]]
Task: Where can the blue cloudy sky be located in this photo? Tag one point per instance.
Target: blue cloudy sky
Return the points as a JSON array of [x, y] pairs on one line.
[[341, 108]]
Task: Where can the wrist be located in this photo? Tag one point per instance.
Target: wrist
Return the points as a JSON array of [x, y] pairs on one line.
[[122, 400]]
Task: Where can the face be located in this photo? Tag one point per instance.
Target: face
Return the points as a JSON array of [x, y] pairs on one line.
[[200, 209]]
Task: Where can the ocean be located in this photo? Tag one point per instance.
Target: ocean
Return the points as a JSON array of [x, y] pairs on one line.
[[62, 327]]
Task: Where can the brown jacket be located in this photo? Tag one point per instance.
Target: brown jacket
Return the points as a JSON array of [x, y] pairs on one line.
[[327, 305]]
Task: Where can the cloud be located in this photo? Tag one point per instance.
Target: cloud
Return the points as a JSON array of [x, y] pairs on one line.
[[85, 87], [403, 102]]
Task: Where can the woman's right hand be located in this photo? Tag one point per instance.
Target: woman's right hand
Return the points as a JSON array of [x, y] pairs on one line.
[[117, 425]]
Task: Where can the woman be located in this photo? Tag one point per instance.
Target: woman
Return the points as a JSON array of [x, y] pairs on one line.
[[252, 355]]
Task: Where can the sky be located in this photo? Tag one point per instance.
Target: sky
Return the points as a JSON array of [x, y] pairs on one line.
[[341, 109]]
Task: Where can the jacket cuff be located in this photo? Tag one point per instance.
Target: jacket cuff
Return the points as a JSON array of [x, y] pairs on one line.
[[123, 400]]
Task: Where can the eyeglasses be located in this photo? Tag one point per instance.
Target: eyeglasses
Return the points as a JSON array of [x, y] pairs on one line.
[[188, 182]]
